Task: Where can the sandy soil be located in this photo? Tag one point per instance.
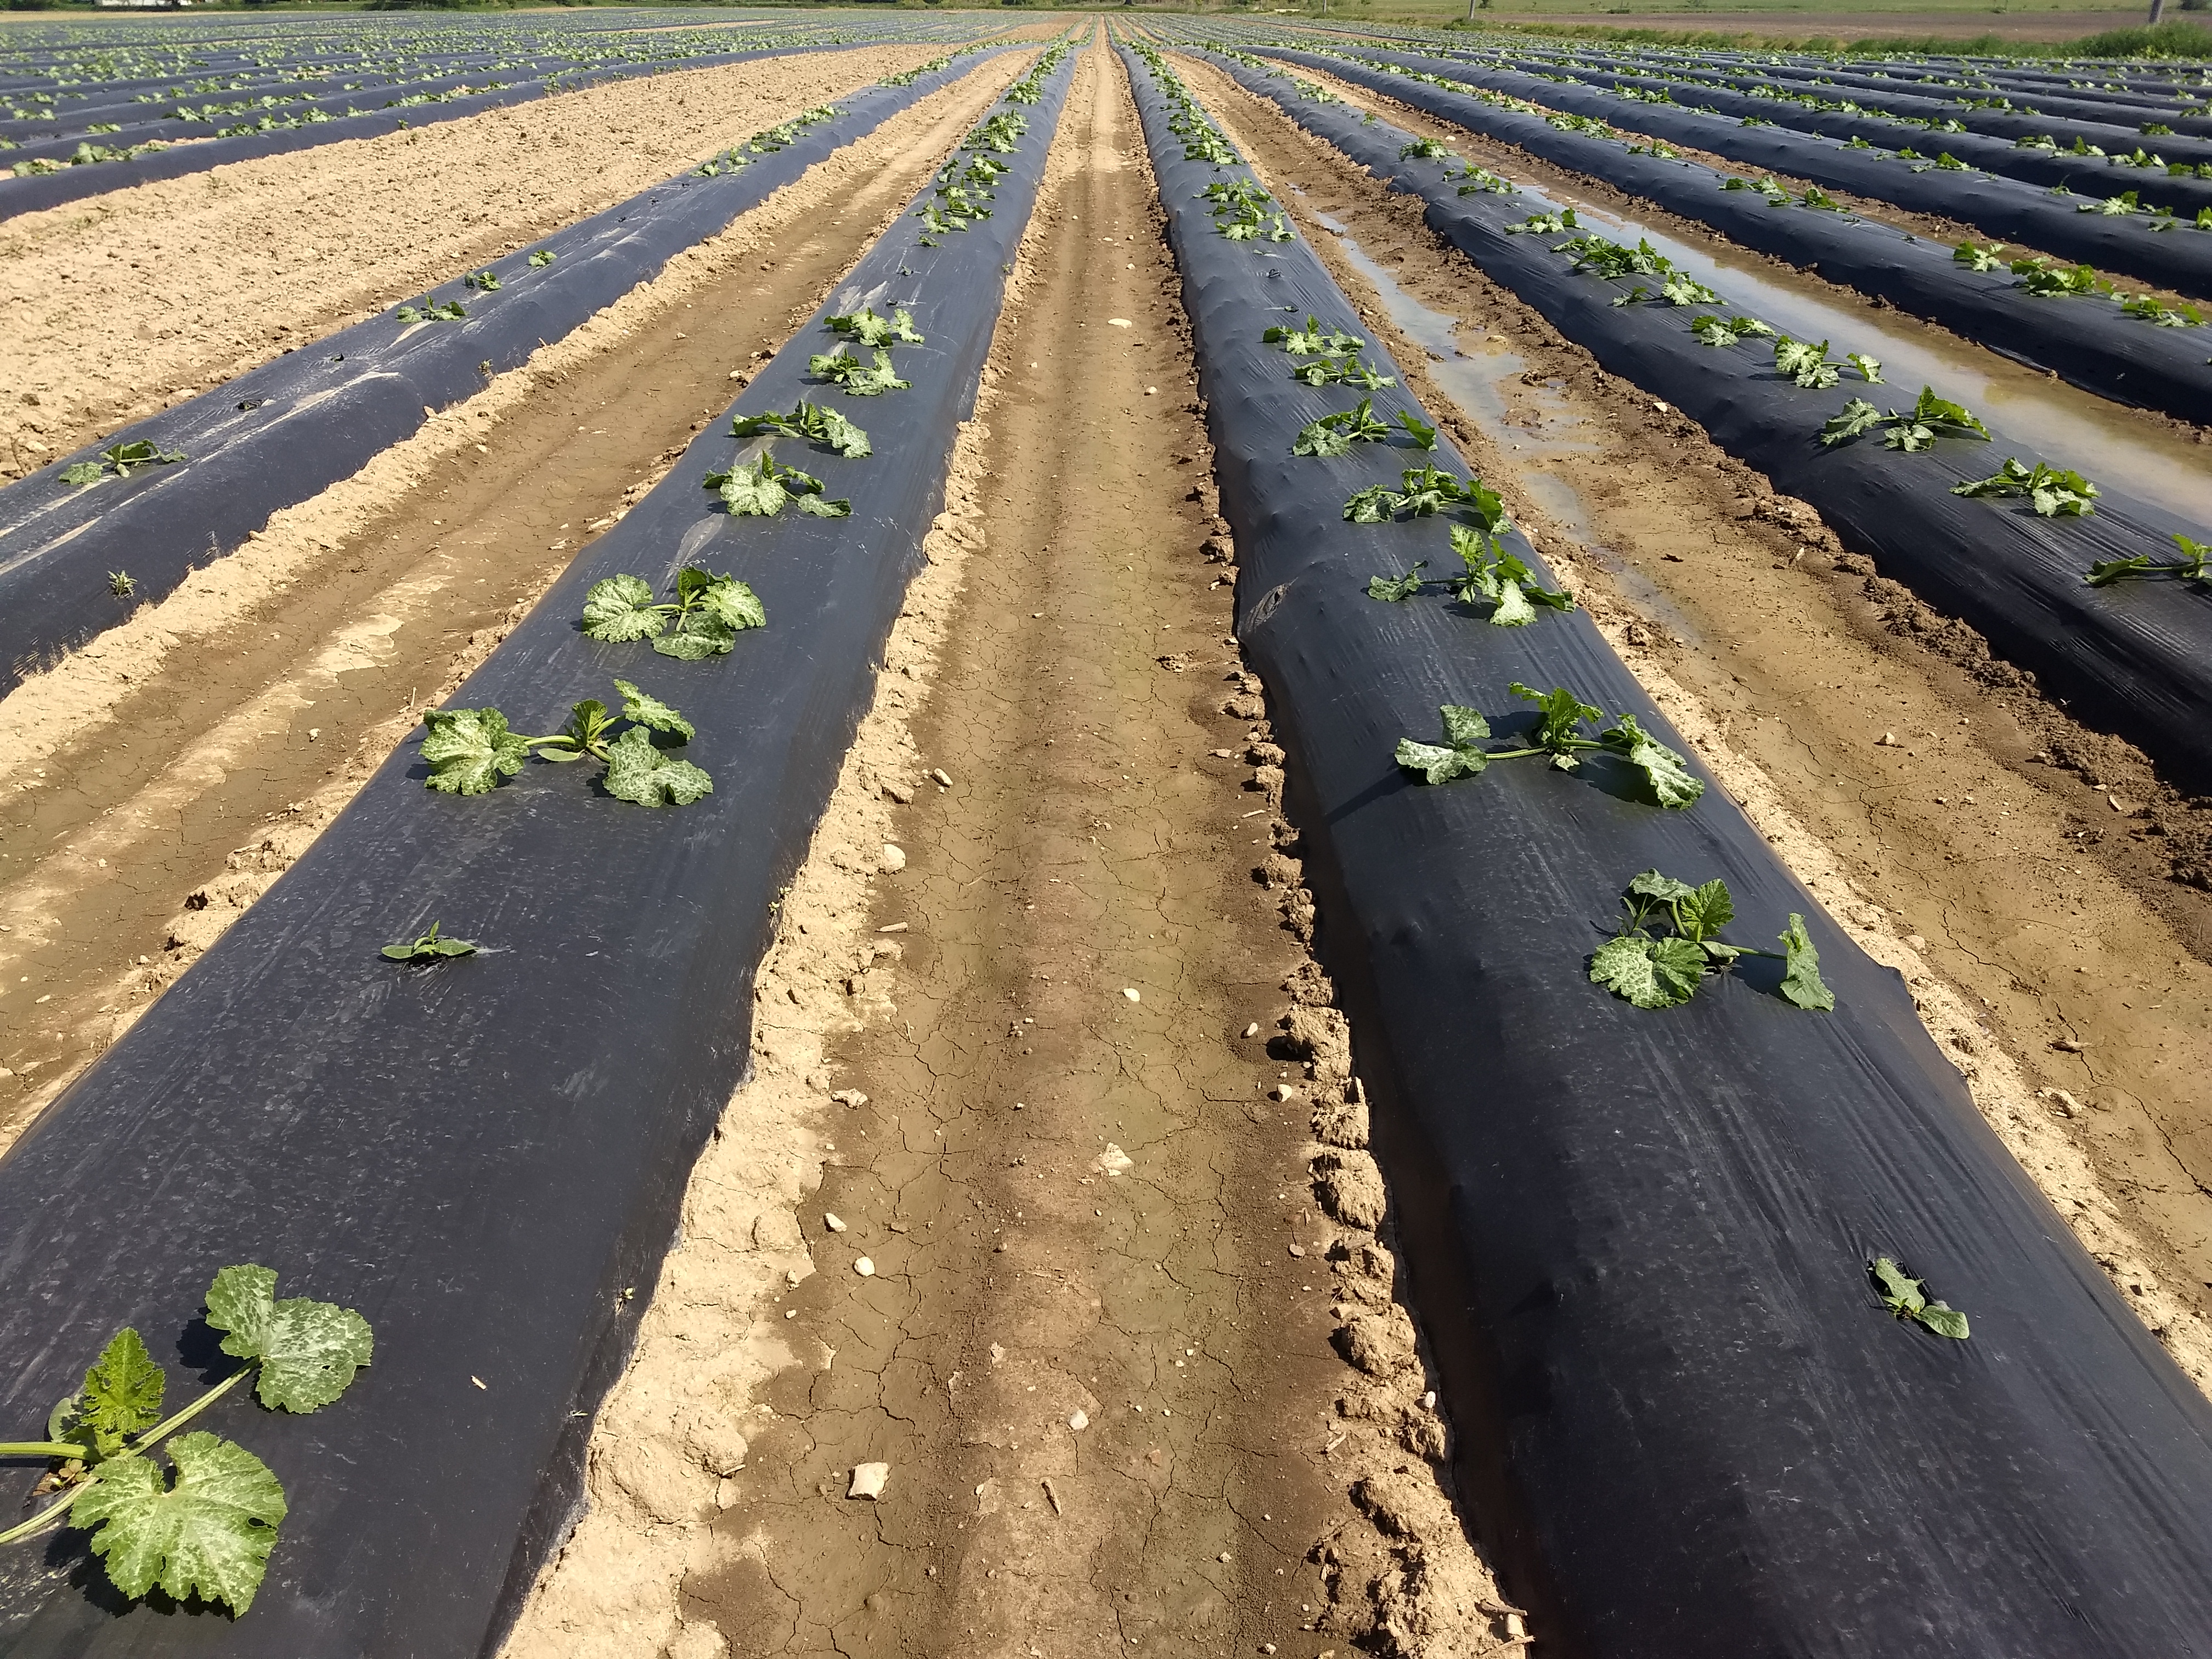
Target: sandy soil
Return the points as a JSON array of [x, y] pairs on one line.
[[1126, 1336], [2018, 869], [163, 777], [118, 306]]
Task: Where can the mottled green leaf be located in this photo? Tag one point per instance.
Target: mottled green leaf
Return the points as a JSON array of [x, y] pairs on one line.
[[208, 1535], [648, 710], [308, 1351], [621, 608], [469, 750], [638, 772], [1438, 764], [1651, 972]]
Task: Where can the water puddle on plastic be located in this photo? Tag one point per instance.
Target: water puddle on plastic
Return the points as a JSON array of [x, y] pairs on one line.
[[1476, 383]]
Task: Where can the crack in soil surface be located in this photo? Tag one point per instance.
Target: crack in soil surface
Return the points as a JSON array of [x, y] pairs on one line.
[[143, 298], [1041, 1034], [169, 773], [2051, 947]]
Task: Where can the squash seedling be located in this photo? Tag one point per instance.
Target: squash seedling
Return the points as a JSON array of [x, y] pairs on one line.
[[2053, 492], [432, 946], [1558, 737], [1670, 942], [205, 1525], [1910, 430], [1907, 1298], [469, 750], [703, 620], [120, 460]]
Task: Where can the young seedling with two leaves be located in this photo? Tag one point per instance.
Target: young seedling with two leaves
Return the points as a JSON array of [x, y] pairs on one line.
[[703, 620], [1335, 435], [452, 311], [1910, 430], [469, 750], [119, 461], [1558, 735], [204, 1526], [2051, 491], [433, 946], [1908, 1298], [1670, 942], [2194, 565]]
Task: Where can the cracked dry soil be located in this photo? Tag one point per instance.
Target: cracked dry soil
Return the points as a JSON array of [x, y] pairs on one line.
[[1109, 1287]]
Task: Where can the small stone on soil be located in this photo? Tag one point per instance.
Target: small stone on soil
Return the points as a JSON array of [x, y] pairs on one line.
[[865, 1268], [868, 1480], [832, 1223]]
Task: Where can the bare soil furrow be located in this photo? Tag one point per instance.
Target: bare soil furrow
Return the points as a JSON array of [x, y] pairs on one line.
[[1140, 1380]]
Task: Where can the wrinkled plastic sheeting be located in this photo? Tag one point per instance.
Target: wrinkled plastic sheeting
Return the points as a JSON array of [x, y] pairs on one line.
[[2136, 658], [2119, 245], [1686, 1425], [486, 1156], [284, 432]]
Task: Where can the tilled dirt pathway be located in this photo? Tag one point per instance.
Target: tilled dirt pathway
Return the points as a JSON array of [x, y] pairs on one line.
[[168, 773], [1056, 1064], [118, 306], [2020, 870]]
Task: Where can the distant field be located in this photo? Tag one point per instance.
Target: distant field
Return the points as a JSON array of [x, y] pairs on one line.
[[1783, 19]]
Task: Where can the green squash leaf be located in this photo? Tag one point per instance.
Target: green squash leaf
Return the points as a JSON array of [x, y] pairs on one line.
[[308, 1351], [1438, 764], [621, 608], [208, 1535], [638, 772], [1650, 973], [649, 711], [1802, 984], [470, 749], [122, 1395]]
